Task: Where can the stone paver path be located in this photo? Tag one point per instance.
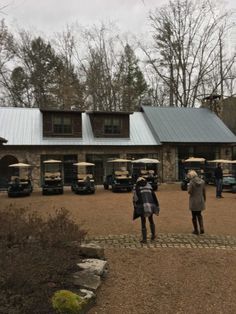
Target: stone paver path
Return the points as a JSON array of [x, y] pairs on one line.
[[169, 240]]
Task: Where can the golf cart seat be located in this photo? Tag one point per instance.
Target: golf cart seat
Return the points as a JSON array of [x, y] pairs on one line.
[[122, 174], [143, 172], [52, 176], [21, 180], [85, 177], [14, 178]]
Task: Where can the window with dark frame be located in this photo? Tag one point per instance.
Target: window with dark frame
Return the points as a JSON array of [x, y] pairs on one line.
[[62, 125], [112, 126]]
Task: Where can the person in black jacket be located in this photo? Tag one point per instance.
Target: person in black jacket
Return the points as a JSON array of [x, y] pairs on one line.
[[145, 205], [218, 180]]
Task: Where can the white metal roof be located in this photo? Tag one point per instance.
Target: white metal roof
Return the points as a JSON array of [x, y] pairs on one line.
[[23, 126]]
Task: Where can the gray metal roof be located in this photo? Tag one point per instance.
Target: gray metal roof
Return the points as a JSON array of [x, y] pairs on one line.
[[23, 126], [187, 125]]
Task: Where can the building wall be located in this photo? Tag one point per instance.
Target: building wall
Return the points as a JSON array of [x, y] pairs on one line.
[[167, 154], [229, 113], [32, 155]]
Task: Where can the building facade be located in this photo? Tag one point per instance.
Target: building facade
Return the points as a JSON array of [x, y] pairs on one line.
[[168, 134]]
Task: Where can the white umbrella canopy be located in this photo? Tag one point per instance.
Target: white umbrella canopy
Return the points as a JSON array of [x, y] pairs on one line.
[[83, 163], [119, 160], [222, 161], [195, 159], [52, 161], [20, 165], [146, 161]]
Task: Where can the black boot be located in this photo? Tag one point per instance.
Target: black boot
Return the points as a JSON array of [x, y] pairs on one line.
[[195, 227], [144, 236], [200, 221], [153, 231]]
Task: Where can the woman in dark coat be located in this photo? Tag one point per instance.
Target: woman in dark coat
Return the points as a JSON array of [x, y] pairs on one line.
[[145, 205], [197, 199]]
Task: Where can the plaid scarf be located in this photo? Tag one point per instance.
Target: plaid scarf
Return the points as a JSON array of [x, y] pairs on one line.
[[143, 197]]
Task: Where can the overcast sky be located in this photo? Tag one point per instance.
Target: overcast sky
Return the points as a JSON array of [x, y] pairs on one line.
[[51, 16]]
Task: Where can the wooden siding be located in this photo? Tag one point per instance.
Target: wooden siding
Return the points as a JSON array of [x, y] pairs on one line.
[[76, 119], [97, 123]]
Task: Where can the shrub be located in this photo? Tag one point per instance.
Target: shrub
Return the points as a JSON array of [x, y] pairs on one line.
[[37, 257], [67, 302]]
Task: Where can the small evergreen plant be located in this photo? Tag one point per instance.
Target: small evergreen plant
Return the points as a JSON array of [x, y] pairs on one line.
[[67, 302]]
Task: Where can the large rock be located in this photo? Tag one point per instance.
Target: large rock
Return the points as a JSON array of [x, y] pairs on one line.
[[95, 266], [90, 299], [92, 250], [86, 280]]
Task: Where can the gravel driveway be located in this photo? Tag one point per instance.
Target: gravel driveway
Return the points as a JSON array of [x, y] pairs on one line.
[[155, 279]]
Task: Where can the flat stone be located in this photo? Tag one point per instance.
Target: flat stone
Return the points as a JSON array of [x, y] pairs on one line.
[[90, 299], [94, 265], [86, 280], [92, 250]]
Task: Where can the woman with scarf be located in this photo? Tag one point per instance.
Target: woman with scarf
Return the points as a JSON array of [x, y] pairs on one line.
[[145, 205]]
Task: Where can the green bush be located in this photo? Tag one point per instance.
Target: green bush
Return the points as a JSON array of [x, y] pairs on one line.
[[67, 302]]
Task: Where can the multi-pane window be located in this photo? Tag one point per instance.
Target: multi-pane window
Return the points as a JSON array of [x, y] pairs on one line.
[[112, 126], [62, 125]]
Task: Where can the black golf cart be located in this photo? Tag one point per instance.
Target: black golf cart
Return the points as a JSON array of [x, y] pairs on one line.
[[193, 163], [20, 184], [148, 169], [52, 182], [83, 181], [120, 179]]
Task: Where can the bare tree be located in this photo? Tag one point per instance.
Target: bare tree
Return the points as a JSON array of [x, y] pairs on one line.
[[186, 49]]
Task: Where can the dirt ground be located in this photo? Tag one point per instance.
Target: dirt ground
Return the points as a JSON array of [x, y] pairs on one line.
[[160, 280]]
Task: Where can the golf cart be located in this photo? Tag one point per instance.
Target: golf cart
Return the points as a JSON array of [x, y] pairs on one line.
[[20, 184], [120, 179], [52, 178], [193, 163], [146, 168], [83, 182], [229, 173]]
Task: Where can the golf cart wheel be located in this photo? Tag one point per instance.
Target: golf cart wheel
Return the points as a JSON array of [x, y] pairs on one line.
[[44, 192], [113, 189], [106, 186], [234, 189]]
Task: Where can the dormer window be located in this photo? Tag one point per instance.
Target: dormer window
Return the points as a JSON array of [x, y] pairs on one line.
[[62, 125], [112, 126]]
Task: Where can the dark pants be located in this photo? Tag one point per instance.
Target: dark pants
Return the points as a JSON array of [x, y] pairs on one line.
[[218, 187], [197, 219], [196, 214], [144, 229], [143, 221]]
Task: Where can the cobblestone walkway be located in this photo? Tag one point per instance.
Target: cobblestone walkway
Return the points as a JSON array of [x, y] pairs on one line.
[[169, 240]]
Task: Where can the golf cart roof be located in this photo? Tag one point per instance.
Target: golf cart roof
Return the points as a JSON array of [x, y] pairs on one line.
[[83, 163], [222, 161], [146, 161], [52, 161], [119, 160], [195, 159], [20, 165]]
